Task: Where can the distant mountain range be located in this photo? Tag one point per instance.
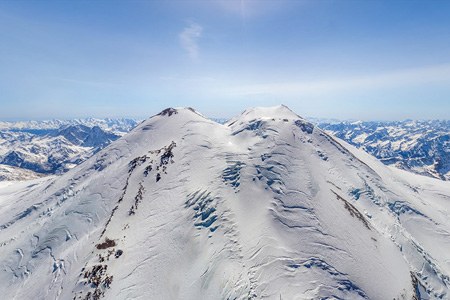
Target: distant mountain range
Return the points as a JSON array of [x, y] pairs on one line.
[[34, 148], [8, 173], [422, 147], [118, 126]]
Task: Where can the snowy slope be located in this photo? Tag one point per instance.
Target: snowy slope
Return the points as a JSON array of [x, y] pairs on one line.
[[264, 206]]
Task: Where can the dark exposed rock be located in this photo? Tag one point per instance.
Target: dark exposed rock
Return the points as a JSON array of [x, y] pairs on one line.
[[118, 253], [305, 126], [106, 244], [168, 112]]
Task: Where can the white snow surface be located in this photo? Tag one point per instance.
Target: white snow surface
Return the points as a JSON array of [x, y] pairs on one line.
[[266, 206]]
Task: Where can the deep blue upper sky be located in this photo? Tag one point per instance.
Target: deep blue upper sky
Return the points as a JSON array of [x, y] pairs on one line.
[[336, 59]]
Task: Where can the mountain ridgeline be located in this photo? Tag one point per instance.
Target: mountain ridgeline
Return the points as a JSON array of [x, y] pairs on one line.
[[422, 147], [43, 150], [266, 205]]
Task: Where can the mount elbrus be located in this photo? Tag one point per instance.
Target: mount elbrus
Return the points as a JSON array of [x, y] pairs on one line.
[[264, 206]]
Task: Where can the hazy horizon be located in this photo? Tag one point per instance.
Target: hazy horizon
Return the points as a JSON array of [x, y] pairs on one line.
[[141, 118]]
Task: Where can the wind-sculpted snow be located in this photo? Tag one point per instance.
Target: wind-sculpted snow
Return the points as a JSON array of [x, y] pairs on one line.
[[266, 206], [232, 174], [205, 207]]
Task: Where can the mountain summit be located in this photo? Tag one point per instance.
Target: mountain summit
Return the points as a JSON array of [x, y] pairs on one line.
[[265, 206]]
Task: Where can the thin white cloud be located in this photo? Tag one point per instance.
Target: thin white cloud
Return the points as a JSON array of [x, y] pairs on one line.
[[250, 8], [418, 76], [189, 39]]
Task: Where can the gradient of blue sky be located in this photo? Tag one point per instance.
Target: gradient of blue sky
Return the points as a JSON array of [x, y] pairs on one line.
[[337, 59]]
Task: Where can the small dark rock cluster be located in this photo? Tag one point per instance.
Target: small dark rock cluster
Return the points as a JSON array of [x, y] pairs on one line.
[[106, 244], [305, 126], [168, 112], [99, 280]]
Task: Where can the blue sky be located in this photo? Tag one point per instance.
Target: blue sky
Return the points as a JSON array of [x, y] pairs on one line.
[[333, 59]]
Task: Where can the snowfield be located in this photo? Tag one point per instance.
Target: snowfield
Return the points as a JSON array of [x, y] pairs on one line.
[[265, 206]]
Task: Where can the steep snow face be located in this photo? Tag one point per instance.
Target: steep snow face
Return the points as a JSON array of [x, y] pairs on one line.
[[265, 206]]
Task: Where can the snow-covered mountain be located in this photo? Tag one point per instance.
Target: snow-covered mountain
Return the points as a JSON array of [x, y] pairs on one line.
[[8, 173], [52, 152], [85, 136], [264, 206], [118, 126], [422, 147]]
